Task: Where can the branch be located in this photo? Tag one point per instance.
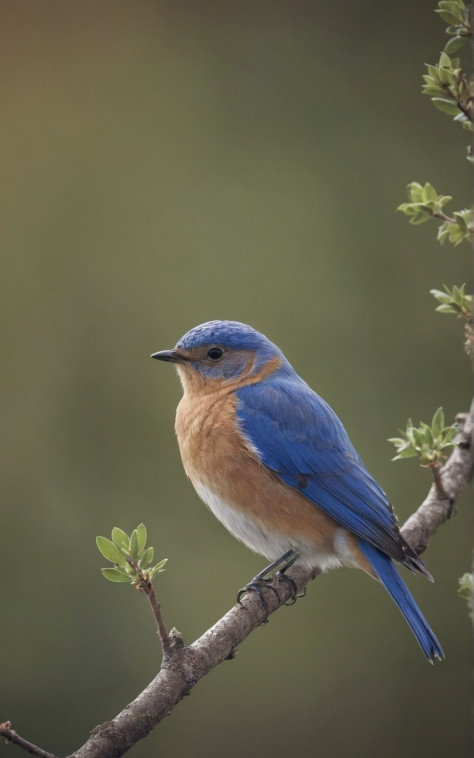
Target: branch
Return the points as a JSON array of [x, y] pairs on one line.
[[183, 667], [439, 505], [145, 585], [7, 731]]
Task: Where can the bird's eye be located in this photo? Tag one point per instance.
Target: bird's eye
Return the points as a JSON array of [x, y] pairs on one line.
[[215, 353]]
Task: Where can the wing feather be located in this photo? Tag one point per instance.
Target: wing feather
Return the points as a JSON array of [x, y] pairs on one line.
[[298, 436]]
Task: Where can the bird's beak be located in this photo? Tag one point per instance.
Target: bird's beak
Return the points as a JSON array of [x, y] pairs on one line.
[[171, 356]]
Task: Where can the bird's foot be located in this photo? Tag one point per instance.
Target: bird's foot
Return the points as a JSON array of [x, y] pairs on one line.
[[294, 589], [258, 584], [263, 581], [295, 595]]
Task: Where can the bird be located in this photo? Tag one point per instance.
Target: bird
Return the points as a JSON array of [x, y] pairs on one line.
[[273, 462]]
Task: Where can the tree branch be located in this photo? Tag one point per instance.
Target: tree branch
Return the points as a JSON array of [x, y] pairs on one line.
[[7, 731], [183, 666], [146, 587], [454, 475]]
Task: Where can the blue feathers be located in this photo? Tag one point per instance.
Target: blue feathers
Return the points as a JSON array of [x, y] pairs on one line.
[[231, 334], [300, 438], [391, 580]]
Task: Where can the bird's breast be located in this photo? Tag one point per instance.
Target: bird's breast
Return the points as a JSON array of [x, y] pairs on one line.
[[212, 449], [253, 503]]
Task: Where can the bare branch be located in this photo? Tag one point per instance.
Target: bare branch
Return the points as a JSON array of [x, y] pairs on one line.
[[7, 731], [145, 585]]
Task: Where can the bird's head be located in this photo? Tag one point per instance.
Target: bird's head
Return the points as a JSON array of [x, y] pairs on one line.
[[222, 352]]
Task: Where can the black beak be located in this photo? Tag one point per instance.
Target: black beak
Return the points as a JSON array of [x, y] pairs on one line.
[[168, 355]]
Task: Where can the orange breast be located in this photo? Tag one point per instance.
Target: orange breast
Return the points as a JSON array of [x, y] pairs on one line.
[[227, 474]]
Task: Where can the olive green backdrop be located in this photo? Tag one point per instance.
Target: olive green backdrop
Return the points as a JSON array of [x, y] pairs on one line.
[[167, 163]]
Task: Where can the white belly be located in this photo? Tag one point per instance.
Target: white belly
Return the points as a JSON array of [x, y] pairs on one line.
[[261, 540]]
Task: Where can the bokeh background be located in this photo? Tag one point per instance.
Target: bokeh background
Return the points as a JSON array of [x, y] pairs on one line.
[[168, 163]]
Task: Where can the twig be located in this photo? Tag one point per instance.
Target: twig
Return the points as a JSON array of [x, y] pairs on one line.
[[443, 217], [7, 731], [146, 586]]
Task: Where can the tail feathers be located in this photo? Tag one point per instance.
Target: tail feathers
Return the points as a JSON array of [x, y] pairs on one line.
[[395, 586], [413, 562]]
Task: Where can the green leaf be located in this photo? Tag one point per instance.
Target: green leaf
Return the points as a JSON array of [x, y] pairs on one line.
[[420, 219], [466, 586], [141, 535], [449, 18], [445, 309], [462, 219], [444, 200], [417, 436], [445, 60], [415, 192], [110, 551], [115, 575], [410, 452], [147, 558], [134, 545], [398, 441], [437, 423], [159, 568], [454, 44], [120, 538], [449, 434], [442, 297], [445, 232], [446, 106], [432, 89], [429, 194]]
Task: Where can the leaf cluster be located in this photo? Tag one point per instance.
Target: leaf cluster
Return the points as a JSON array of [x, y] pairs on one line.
[[454, 301], [428, 441], [425, 203], [457, 302], [457, 229], [448, 87], [456, 15], [131, 558]]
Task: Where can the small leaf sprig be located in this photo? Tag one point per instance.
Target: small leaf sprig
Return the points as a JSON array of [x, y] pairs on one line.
[[132, 560], [455, 13], [428, 442], [456, 301], [448, 87], [132, 564], [425, 203]]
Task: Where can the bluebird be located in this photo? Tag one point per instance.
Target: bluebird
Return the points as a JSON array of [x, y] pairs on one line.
[[273, 462]]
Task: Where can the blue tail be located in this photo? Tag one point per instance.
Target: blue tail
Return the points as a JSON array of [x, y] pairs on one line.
[[393, 583]]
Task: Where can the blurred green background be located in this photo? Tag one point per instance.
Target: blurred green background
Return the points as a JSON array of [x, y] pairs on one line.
[[165, 164]]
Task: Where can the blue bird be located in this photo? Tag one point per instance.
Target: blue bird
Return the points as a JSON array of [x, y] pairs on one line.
[[273, 462]]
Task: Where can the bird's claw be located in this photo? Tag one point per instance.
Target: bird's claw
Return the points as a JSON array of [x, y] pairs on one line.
[[294, 589], [258, 584]]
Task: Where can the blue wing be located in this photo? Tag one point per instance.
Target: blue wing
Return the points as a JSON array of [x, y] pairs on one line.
[[299, 437]]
